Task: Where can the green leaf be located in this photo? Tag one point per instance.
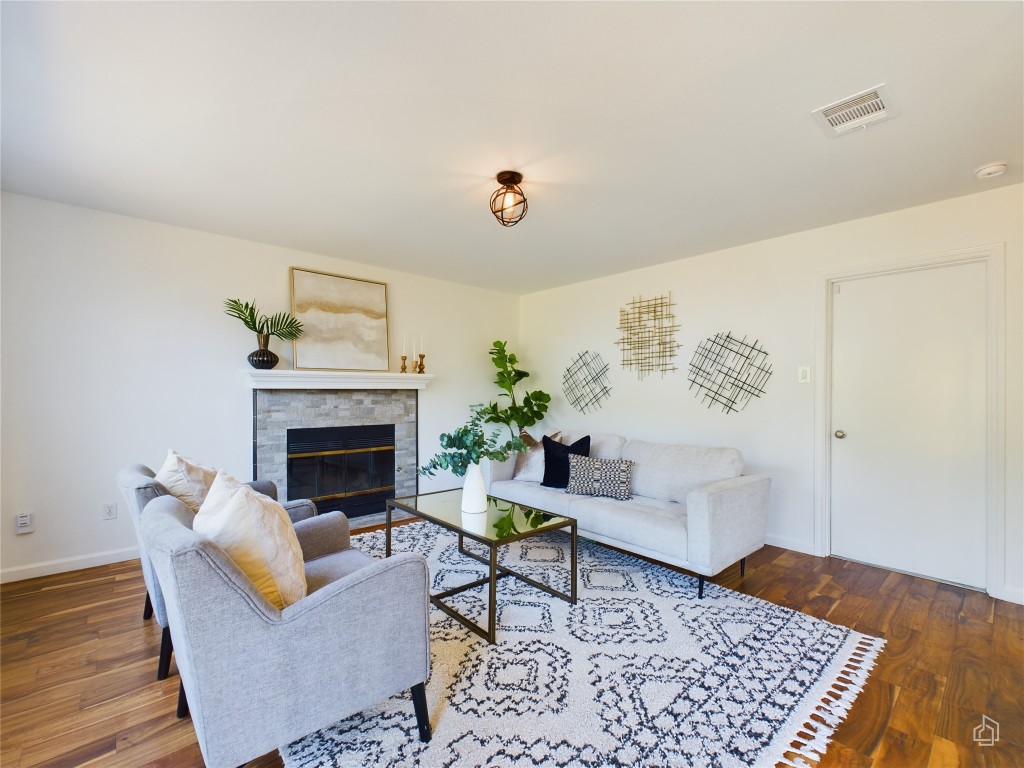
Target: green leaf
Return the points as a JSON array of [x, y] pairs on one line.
[[283, 324]]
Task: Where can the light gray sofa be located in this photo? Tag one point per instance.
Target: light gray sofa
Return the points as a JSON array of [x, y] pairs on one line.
[[692, 507]]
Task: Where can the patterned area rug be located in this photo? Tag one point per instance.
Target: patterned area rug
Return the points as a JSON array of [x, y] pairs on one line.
[[638, 673]]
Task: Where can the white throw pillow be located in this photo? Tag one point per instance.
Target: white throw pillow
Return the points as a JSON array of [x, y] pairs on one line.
[[187, 480], [530, 465], [256, 533]]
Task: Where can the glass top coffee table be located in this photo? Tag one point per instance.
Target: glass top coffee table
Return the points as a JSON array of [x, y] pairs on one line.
[[444, 508]]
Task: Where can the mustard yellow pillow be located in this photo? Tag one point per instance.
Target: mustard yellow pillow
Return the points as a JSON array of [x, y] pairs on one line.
[[187, 480], [256, 533]]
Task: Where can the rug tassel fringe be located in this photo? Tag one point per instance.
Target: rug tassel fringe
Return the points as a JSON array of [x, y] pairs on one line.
[[811, 739]]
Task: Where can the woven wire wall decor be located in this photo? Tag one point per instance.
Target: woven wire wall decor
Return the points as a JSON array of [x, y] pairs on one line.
[[648, 343], [728, 371], [585, 381]]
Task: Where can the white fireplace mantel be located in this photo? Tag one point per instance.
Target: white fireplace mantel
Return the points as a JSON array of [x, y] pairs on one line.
[[286, 379]]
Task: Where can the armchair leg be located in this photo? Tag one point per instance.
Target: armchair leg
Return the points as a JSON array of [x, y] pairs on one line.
[[147, 612], [419, 703], [700, 587], [743, 566], [163, 668], [182, 701]]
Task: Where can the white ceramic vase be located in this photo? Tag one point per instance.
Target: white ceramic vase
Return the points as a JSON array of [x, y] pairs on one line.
[[474, 494]]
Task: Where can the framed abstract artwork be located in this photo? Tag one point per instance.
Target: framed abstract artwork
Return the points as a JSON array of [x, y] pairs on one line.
[[345, 321]]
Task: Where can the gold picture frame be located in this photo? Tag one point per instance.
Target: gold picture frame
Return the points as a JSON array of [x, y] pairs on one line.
[[345, 321]]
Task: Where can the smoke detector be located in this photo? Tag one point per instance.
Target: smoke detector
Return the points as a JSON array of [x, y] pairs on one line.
[[857, 111], [991, 170]]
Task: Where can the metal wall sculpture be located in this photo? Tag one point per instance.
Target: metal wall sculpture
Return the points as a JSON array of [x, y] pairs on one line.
[[728, 371], [585, 381], [648, 342]]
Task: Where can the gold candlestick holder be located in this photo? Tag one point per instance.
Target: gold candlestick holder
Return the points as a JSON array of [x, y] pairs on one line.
[[421, 368], [403, 364]]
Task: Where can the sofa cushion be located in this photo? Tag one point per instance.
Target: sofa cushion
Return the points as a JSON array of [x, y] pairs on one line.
[[256, 533], [659, 526], [327, 569], [556, 460], [602, 445], [599, 477], [532, 495], [186, 479], [670, 472], [530, 465]]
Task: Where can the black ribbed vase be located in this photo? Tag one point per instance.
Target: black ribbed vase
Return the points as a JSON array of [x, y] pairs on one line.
[[263, 358]]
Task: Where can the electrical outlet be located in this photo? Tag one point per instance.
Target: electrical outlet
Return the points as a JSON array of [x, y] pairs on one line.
[[110, 511], [23, 523]]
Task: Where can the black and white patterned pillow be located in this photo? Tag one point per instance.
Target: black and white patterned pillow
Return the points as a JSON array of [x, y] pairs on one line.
[[600, 477]]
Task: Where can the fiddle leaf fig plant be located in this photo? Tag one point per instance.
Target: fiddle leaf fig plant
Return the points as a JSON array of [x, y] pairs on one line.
[[469, 444], [284, 325], [515, 413]]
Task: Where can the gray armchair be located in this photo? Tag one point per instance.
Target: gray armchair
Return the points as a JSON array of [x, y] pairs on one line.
[[139, 487], [256, 677]]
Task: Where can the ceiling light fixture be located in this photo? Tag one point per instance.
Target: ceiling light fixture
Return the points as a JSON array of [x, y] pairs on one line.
[[991, 170], [508, 203]]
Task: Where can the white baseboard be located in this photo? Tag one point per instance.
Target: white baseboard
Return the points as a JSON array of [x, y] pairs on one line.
[[786, 542], [48, 567], [1009, 594]]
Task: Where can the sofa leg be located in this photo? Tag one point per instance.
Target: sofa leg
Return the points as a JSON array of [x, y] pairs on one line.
[[700, 587], [147, 612], [182, 701], [163, 668], [419, 703], [743, 566]]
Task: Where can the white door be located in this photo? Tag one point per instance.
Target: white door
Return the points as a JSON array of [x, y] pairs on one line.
[[908, 444]]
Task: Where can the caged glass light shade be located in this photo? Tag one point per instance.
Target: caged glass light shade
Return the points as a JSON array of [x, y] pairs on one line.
[[508, 203]]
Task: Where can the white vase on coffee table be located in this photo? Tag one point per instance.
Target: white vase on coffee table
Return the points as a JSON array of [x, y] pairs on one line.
[[474, 493]]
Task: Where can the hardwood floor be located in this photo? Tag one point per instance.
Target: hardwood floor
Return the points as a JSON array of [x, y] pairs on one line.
[[78, 667]]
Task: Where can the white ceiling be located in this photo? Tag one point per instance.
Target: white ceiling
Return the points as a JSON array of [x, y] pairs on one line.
[[646, 132]]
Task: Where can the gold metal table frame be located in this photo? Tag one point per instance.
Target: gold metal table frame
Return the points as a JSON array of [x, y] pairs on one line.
[[443, 508]]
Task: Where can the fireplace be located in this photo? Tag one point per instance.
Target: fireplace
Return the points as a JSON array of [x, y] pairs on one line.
[[347, 468], [287, 402]]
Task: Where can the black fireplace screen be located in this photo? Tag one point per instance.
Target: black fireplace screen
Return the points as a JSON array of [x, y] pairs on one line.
[[346, 468]]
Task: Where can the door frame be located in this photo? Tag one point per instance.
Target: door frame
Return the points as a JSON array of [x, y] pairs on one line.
[[993, 257]]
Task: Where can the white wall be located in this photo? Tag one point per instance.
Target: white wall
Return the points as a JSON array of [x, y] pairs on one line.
[[768, 291], [115, 348]]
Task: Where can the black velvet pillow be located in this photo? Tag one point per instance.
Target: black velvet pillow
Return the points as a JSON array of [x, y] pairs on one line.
[[556, 460]]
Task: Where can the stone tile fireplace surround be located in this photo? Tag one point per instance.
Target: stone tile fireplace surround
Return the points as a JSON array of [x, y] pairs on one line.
[[284, 400]]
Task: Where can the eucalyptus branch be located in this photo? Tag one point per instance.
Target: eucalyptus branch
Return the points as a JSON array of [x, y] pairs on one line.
[[469, 444]]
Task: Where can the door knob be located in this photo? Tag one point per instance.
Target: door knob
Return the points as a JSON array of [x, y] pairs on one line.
[[840, 434]]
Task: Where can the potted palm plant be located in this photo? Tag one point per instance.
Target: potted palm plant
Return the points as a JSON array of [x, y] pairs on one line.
[[462, 451], [284, 325]]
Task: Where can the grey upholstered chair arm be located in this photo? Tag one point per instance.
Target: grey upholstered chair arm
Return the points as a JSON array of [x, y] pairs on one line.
[[322, 535], [727, 520], [266, 487], [299, 509]]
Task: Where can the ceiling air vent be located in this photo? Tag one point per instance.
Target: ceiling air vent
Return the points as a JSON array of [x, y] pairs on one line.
[[857, 111]]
